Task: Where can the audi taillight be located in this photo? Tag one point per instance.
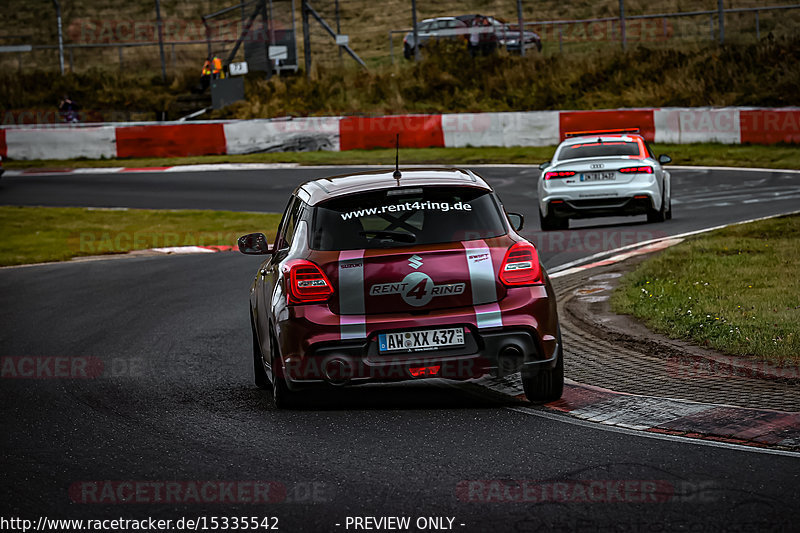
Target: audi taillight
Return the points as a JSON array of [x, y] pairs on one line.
[[636, 170], [558, 174], [307, 283], [521, 266]]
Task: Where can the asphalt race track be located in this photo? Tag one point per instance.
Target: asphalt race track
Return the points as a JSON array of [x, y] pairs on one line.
[[171, 399], [702, 198]]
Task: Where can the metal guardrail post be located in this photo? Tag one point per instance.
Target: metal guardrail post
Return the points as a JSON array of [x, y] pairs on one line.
[[391, 47], [338, 27], [721, 9], [711, 23], [414, 29], [306, 38], [60, 36], [521, 29], [758, 29], [623, 37], [161, 41]]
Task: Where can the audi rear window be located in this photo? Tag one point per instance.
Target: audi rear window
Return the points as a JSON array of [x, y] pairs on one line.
[[405, 217], [599, 149]]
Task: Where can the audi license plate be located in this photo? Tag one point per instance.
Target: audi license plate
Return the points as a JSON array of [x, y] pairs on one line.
[[599, 176], [412, 341]]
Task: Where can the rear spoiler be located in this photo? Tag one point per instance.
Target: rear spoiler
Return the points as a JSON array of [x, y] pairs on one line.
[[595, 132]]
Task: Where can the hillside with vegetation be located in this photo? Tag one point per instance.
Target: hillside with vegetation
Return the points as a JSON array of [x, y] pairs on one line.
[[581, 67]]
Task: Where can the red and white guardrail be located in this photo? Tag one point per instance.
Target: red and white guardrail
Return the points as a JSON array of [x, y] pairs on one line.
[[732, 125]]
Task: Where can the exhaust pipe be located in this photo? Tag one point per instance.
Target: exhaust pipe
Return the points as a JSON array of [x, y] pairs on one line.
[[337, 371], [509, 360]]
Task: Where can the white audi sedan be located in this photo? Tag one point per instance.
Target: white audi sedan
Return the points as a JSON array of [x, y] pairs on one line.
[[603, 173]]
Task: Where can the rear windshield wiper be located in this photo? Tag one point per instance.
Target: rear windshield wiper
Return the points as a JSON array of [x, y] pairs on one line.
[[399, 236]]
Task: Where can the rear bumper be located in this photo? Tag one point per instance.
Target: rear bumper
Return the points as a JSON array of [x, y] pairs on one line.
[[601, 207], [583, 200], [314, 352], [500, 353]]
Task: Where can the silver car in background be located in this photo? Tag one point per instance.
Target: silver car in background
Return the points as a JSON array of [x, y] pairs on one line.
[[603, 173]]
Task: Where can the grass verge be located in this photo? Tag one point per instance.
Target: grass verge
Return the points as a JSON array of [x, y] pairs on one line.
[[42, 234], [736, 290], [774, 156]]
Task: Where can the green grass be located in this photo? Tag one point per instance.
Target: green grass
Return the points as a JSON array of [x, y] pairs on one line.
[[736, 290], [775, 156], [42, 234]]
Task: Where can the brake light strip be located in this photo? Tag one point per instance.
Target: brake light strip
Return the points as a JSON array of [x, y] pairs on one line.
[[352, 322], [484, 287]]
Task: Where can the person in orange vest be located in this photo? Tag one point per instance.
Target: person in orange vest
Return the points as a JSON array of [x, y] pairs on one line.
[[216, 68], [205, 74]]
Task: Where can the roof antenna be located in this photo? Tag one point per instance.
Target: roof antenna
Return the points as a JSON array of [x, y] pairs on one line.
[[396, 175]]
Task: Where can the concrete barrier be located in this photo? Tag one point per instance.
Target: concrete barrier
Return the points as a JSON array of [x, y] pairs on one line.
[[731, 125], [60, 143], [534, 128], [693, 125], [295, 135]]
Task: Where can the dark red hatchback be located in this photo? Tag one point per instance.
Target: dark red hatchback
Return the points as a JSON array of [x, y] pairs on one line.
[[377, 278]]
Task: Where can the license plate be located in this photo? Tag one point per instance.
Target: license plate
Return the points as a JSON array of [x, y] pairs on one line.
[[599, 176], [428, 339]]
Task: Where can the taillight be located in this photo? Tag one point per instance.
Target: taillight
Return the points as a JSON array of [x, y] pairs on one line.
[[521, 265], [307, 283], [422, 371], [636, 170], [558, 174]]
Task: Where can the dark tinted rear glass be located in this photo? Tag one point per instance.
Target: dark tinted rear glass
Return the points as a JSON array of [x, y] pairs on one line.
[[595, 149], [405, 217]]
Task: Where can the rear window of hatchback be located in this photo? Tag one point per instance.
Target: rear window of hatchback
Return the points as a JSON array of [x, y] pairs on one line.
[[405, 217]]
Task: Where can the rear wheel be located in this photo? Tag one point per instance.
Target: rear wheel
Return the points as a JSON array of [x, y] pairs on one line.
[[660, 214], [551, 222], [281, 395], [259, 373], [548, 384]]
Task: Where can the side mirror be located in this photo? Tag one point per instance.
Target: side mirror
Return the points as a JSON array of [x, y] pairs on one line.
[[254, 244], [664, 159], [544, 165], [517, 220]]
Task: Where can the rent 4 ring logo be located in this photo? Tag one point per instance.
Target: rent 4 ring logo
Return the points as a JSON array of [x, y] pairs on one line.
[[416, 289]]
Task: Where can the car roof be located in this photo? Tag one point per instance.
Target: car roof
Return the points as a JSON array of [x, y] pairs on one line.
[[319, 190]]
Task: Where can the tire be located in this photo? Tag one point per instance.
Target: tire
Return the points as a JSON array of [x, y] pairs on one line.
[[259, 372], [659, 215], [551, 223], [548, 384], [281, 395], [408, 52]]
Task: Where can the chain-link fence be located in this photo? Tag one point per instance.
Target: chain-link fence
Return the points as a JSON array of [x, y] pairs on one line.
[[101, 34]]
